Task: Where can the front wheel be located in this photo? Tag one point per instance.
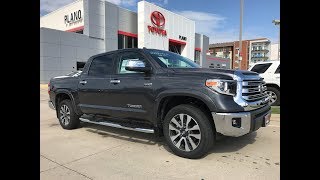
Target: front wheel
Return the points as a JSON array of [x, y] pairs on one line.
[[188, 131]]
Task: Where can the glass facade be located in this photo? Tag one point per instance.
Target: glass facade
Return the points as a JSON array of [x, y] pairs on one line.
[[127, 42]]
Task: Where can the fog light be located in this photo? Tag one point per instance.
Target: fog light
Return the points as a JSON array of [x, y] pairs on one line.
[[236, 122]]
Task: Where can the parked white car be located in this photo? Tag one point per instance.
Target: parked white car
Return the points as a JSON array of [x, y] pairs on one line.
[[270, 71]]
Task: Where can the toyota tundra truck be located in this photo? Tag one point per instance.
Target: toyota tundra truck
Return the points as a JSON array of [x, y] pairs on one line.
[[156, 91]]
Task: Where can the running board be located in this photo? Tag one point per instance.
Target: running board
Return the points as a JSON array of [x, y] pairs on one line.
[[117, 126]]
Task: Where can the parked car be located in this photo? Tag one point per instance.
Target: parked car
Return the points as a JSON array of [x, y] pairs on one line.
[[155, 91], [270, 71]]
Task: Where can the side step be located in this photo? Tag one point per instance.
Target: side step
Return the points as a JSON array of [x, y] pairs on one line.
[[111, 124]]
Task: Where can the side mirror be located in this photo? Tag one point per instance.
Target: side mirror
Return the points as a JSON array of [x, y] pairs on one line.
[[137, 65]]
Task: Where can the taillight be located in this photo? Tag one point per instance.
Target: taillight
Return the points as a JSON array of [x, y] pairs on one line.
[[49, 88]]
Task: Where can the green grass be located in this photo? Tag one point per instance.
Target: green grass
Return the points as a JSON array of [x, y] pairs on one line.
[[275, 109]]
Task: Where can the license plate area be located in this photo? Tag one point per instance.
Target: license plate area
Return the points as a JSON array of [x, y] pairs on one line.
[[266, 119]]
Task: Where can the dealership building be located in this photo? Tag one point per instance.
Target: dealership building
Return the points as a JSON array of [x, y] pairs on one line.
[[73, 33]]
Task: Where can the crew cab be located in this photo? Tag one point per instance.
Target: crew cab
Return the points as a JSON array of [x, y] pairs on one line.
[[156, 91]]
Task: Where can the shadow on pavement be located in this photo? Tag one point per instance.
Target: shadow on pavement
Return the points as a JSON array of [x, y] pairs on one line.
[[222, 145], [232, 144]]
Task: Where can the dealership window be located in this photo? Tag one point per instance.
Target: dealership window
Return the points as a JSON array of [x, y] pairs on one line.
[[197, 56], [80, 65], [79, 32], [127, 42]]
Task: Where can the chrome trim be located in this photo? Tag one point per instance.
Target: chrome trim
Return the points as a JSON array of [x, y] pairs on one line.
[[51, 105], [115, 81], [245, 80], [117, 126], [223, 123]]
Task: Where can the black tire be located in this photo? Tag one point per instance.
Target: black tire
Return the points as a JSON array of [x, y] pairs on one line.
[[206, 131], [277, 94], [74, 118]]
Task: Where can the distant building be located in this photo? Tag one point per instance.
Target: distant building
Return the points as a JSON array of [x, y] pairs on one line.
[[274, 51], [253, 50], [259, 50]]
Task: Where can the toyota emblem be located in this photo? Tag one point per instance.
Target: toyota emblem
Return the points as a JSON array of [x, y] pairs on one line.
[[157, 19]]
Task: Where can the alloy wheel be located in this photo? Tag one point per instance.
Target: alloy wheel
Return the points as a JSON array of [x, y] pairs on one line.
[[273, 96], [184, 132], [65, 115]]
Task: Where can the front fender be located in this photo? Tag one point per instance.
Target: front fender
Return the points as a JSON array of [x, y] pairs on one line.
[[186, 92]]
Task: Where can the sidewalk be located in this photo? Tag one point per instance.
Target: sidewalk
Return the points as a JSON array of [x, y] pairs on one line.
[[275, 117], [44, 86]]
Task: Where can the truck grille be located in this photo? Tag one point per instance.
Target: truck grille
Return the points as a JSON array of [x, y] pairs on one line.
[[254, 90]]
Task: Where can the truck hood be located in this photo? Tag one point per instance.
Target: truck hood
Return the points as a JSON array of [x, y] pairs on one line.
[[219, 73]]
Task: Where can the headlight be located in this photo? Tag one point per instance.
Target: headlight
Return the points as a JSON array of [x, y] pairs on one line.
[[228, 87]]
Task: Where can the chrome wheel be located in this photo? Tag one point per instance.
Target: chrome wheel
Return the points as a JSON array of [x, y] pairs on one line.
[[184, 132], [65, 115], [273, 96]]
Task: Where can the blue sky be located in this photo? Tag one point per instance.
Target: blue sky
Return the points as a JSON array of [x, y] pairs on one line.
[[218, 19]]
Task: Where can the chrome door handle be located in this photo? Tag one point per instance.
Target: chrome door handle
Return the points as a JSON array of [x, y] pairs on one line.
[[83, 82], [115, 81]]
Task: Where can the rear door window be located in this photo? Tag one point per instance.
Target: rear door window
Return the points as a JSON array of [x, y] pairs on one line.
[[101, 66], [261, 68]]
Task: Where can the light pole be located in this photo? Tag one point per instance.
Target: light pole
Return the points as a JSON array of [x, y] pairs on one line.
[[240, 33], [277, 22]]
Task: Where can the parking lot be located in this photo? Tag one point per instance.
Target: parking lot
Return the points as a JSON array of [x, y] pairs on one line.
[[97, 152]]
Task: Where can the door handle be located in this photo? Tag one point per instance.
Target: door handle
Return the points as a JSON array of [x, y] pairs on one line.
[[83, 82], [115, 81]]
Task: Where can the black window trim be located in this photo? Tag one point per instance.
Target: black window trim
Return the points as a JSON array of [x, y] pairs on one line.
[[275, 72], [266, 64]]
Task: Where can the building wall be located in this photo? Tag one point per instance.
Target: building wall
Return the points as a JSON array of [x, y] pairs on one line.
[[175, 25], [216, 62], [56, 19], [245, 55], [274, 51], [60, 51]]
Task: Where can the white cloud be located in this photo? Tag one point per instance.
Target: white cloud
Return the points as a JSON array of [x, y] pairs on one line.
[[51, 5], [213, 26]]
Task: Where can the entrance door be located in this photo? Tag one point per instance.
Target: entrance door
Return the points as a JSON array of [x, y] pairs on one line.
[[174, 47]]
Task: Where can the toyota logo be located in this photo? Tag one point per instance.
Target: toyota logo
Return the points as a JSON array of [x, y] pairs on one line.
[[157, 19]]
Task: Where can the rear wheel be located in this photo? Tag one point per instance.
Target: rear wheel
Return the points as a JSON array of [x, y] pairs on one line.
[[188, 131], [274, 95], [68, 119]]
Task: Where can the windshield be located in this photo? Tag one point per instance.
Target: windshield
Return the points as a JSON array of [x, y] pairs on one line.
[[168, 59]]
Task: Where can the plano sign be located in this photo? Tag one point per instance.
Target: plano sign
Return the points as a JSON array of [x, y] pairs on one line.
[[73, 18], [158, 20]]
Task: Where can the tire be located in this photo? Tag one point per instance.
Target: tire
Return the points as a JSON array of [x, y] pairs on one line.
[[275, 93], [201, 145], [65, 113]]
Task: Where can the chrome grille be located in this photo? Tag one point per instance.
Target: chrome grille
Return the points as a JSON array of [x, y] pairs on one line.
[[254, 90]]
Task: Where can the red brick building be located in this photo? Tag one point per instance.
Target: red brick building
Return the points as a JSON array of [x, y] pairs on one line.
[[230, 50]]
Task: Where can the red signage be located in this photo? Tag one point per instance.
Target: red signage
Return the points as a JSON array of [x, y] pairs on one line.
[[158, 21]]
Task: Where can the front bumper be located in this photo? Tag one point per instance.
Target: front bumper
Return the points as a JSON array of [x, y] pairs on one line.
[[250, 121], [51, 105]]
